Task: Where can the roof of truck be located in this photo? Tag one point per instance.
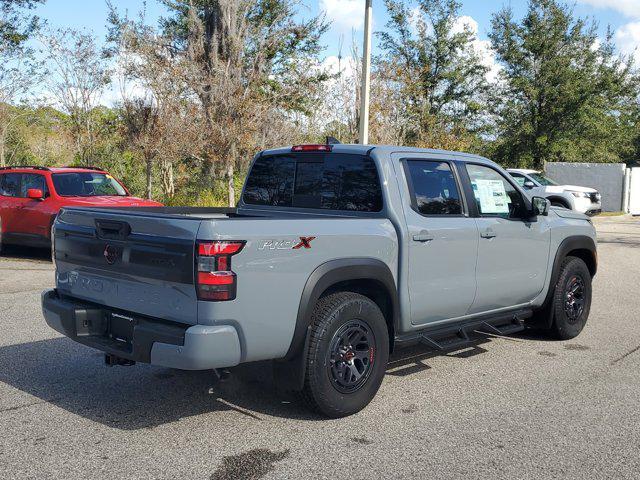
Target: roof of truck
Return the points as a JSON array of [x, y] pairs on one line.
[[382, 149], [522, 170]]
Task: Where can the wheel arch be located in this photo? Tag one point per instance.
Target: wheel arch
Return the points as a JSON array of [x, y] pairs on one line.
[[368, 276], [565, 202], [581, 246]]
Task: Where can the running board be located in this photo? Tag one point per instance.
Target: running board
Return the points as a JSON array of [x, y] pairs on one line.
[[507, 329], [447, 341], [456, 335]]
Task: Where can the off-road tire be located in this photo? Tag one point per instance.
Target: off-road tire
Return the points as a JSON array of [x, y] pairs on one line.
[[331, 315], [573, 272]]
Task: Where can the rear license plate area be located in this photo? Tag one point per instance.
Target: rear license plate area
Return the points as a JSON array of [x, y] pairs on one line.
[[121, 329]]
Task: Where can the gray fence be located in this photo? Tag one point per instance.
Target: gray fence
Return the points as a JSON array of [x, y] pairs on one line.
[[607, 178]]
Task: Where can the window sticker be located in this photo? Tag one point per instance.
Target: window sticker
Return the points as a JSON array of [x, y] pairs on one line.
[[492, 196]]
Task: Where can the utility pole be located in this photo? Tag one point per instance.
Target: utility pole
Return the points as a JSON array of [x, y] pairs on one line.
[[366, 76]]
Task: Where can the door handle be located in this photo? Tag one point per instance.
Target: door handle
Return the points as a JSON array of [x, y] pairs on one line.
[[423, 236], [488, 233]]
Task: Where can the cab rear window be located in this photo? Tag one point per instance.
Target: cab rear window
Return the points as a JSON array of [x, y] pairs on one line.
[[329, 181]]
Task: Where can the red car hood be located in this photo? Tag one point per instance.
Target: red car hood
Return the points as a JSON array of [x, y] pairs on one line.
[[109, 202]]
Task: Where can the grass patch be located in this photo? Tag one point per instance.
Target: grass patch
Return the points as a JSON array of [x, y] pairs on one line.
[[610, 214]]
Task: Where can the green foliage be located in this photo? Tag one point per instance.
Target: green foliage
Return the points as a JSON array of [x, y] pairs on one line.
[[431, 57], [16, 24], [563, 95], [213, 196], [275, 51]]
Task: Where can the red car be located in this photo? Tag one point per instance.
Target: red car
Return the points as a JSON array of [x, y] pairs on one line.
[[30, 198]]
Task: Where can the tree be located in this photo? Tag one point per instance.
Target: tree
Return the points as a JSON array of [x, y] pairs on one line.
[[141, 122], [17, 24], [563, 94], [80, 73], [433, 70], [18, 69], [245, 63], [339, 108]]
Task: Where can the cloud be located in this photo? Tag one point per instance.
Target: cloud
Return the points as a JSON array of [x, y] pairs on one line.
[[346, 66], [629, 8], [628, 39], [482, 48], [627, 36], [465, 21], [345, 15]]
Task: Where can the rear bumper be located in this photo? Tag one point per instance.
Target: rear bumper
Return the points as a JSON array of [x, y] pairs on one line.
[[155, 341]]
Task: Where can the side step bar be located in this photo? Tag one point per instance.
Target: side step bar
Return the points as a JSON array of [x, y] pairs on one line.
[[445, 342], [515, 326], [456, 335]]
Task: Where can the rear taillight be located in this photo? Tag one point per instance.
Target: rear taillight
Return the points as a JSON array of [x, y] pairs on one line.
[[214, 279]]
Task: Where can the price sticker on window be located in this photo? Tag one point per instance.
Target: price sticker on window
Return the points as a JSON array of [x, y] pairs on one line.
[[492, 196]]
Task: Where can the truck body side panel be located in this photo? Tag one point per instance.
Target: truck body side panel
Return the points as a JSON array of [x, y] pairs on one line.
[[271, 273]]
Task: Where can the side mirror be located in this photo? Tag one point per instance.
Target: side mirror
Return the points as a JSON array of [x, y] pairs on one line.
[[35, 194], [529, 184], [540, 206]]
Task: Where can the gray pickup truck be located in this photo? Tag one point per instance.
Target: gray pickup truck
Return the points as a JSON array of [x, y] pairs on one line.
[[335, 255]]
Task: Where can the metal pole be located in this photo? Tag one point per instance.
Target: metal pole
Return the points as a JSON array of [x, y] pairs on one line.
[[366, 76]]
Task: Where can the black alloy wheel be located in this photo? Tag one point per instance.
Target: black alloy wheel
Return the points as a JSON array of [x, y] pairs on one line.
[[347, 355], [351, 356], [574, 298], [571, 299]]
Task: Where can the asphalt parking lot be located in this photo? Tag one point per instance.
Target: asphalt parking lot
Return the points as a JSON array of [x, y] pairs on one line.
[[516, 407]]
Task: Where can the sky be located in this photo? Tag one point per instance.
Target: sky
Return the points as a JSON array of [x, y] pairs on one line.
[[347, 17]]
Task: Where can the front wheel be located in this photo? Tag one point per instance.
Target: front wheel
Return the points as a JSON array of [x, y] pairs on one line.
[[571, 299], [347, 356]]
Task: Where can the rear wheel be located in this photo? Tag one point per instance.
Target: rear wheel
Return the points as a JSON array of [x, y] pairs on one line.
[[571, 299], [348, 354]]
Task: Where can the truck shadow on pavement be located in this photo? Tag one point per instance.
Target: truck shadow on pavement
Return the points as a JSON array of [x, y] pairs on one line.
[[72, 377], [17, 252]]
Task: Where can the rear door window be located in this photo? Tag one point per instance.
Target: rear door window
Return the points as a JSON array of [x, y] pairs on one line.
[[433, 188], [10, 184], [321, 181]]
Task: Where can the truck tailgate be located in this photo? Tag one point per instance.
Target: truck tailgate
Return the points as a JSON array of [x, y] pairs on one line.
[[129, 260]]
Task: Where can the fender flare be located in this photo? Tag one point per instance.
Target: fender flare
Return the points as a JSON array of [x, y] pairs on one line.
[[574, 242], [330, 273]]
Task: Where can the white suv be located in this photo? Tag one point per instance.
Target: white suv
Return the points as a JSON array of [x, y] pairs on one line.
[[582, 199]]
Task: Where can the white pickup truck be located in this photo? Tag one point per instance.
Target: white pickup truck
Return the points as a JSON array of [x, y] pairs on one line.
[[335, 255]]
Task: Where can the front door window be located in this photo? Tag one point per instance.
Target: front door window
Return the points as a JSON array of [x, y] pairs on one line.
[[494, 194]]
